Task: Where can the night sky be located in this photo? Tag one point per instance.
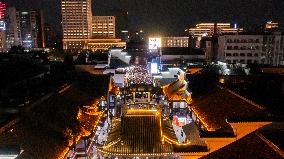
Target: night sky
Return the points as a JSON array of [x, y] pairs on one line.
[[171, 17]]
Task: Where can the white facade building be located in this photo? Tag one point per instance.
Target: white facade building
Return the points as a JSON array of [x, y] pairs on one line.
[[240, 48], [273, 49], [261, 48]]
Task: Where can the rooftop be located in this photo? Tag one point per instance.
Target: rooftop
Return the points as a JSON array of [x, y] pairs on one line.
[[253, 146], [56, 122], [220, 105], [139, 132]]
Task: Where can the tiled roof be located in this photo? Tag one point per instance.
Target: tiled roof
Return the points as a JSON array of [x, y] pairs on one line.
[[219, 106], [252, 146], [138, 132], [48, 129]]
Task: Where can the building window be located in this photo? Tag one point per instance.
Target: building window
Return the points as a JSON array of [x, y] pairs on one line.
[[235, 54], [228, 54]]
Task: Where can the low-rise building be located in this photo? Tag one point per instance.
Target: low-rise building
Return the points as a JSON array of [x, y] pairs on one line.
[[264, 48], [181, 53], [210, 29], [92, 44], [240, 48]]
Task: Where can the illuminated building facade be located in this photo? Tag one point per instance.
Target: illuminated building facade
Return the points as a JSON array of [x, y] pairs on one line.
[[271, 25], [2, 41], [210, 29], [92, 44], [82, 31], [76, 19], [103, 27], [2, 10], [2, 27], [13, 31], [175, 41], [25, 26]]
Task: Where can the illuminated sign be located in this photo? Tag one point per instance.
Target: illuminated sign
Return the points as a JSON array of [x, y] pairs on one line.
[[180, 121], [2, 25], [154, 68], [154, 43]]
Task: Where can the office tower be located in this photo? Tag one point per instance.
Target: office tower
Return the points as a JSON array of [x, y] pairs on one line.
[[121, 24], [50, 36], [77, 28], [13, 32], [76, 19], [25, 26], [2, 27], [37, 29], [2, 10], [103, 27]]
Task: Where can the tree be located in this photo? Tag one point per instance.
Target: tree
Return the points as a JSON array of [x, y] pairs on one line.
[[68, 61], [17, 49]]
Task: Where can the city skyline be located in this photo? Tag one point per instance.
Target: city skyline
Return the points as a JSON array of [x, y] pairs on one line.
[[172, 17], [141, 79]]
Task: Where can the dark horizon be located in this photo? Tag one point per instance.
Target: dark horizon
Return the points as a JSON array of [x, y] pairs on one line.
[[171, 17]]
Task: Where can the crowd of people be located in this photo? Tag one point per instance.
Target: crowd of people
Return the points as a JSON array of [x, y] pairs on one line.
[[138, 75]]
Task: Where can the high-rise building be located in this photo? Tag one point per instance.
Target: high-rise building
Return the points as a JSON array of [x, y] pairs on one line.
[[50, 36], [13, 31], [2, 10], [76, 19], [121, 23], [25, 26], [78, 26], [37, 29], [103, 27], [2, 27]]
